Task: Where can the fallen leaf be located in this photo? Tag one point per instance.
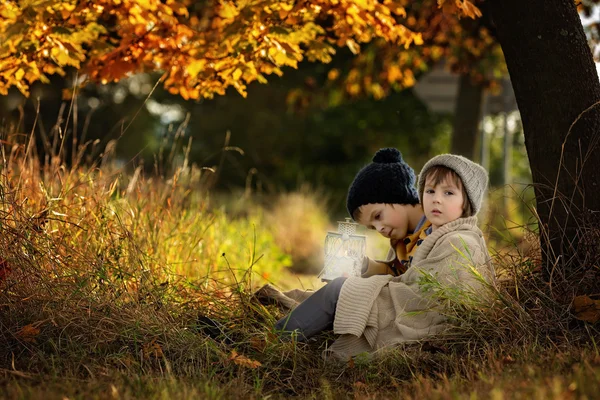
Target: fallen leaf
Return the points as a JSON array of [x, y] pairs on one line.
[[243, 361], [508, 360], [152, 349], [586, 309], [258, 343], [351, 363], [4, 269], [28, 333]]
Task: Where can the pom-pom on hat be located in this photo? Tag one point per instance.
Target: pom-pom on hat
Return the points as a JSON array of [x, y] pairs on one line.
[[388, 179], [473, 176]]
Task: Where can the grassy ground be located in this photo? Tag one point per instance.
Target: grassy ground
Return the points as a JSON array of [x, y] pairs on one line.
[[103, 276], [540, 376]]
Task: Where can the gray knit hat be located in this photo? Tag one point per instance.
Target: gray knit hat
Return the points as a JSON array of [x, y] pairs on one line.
[[474, 177]]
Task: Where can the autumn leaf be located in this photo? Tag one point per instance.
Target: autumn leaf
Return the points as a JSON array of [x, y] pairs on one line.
[[394, 73], [228, 10], [5, 269], [236, 75], [19, 74], [586, 309], [353, 46], [28, 333], [202, 50], [333, 74], [468, 9], [258, 343], [351, 363], [508, 359], [152, 349], [243, 361]]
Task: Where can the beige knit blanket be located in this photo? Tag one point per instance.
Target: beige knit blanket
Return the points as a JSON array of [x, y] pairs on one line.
[[381, 311]]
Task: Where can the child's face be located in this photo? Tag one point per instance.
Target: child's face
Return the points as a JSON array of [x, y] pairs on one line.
[[389, 220], [442, 203]]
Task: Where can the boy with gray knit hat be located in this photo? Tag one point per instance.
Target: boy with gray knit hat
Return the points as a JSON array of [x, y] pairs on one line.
[[461, 172]]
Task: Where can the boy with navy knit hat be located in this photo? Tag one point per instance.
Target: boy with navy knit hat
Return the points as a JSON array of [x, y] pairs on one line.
[[383, 310], [382, 196]]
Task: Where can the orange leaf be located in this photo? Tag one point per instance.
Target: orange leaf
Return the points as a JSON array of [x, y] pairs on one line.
[[4, 269], [586, 309], [508, 359], [28, 333], [351, 363], [184, 93], [152, 349], [67, 94], [258, 343], [333, 74], [228, 10], [243, 361]]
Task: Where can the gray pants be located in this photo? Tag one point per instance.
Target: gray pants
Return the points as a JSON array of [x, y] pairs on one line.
[[315, 314]]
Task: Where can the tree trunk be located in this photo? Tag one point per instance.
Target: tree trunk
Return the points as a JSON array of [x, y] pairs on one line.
[[556, 85], [466, 117], [507, 158], [506, 161]]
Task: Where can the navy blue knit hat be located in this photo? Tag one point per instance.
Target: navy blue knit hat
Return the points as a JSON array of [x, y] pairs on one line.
[[388, 179]]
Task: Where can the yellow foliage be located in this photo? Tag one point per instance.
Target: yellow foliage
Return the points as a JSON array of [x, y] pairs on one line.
[[195, 66], [108, 39], [19, 74], [228, 10], [394, 73], [237, 74], [409, 79], [418, 39], [333, 74]]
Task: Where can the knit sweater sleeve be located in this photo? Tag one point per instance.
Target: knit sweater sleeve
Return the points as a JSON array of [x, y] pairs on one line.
[[378, 267], [457, 260], [355, 303], [372, 267]]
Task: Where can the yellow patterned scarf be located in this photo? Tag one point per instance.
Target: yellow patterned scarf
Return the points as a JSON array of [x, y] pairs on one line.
[[405, 248]]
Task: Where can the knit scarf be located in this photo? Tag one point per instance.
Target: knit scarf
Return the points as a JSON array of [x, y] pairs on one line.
[[405, 248]]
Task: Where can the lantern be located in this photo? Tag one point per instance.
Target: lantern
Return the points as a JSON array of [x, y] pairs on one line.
[[344, 252]]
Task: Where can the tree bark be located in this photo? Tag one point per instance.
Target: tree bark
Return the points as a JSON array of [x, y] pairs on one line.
[[557, 88], [466, 117]]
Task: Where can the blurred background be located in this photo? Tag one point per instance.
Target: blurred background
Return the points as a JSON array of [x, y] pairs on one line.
[[292, 147]]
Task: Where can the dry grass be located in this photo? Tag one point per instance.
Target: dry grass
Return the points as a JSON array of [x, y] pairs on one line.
[[299, 221], [104, 274], [107, 272]]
